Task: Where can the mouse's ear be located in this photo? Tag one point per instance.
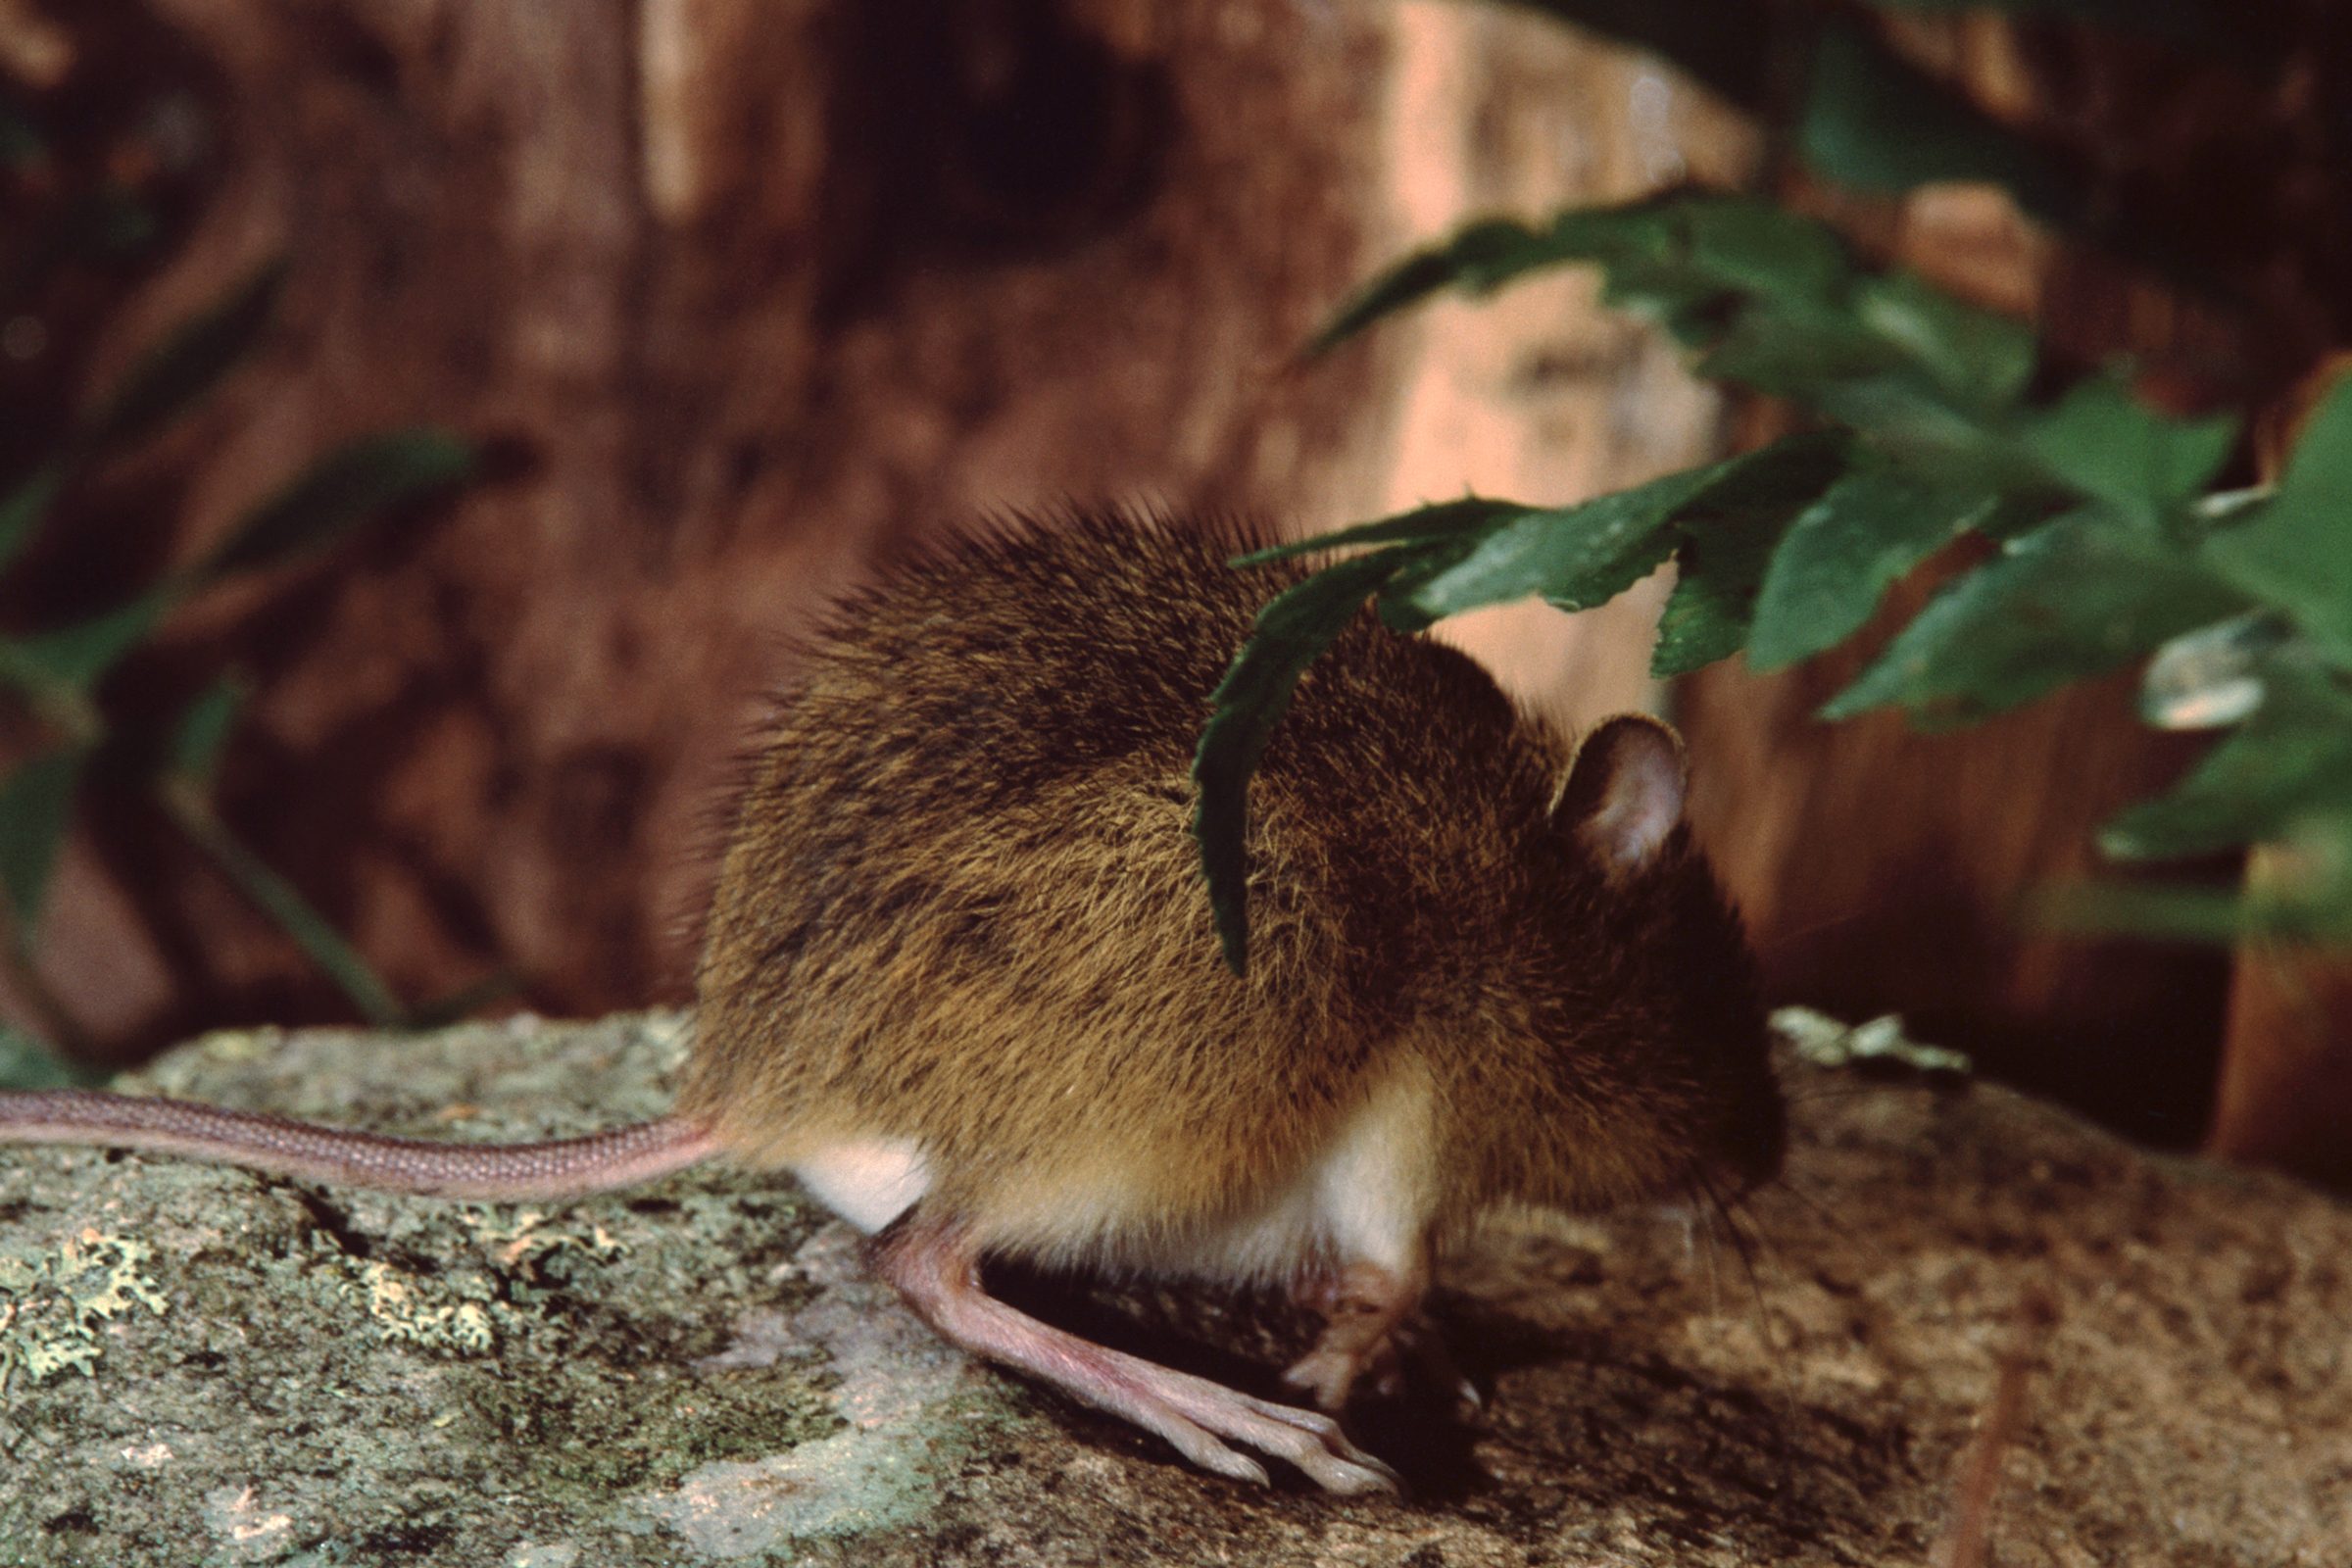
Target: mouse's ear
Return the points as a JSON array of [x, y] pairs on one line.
[[1623, 795]]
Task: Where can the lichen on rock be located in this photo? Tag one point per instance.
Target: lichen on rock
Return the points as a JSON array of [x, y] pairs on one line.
[[699, 1372], [54, 1300]]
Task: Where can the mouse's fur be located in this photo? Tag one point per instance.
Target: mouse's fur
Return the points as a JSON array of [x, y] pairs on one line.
[[960, 946]]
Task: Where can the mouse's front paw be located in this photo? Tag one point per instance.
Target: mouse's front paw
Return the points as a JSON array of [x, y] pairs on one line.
[[1409, 1361]]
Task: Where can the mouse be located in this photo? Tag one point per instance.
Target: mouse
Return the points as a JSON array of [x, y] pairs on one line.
[[959, 978]]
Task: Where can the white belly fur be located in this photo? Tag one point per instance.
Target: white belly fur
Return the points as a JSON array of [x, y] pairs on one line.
[[1367, 1197], [867, 1181]]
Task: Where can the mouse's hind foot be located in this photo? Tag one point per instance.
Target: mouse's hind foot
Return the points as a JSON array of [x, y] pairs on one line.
[[938, 1273]]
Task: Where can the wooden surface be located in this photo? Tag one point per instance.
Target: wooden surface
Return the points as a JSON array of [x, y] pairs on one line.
[[747, 294]]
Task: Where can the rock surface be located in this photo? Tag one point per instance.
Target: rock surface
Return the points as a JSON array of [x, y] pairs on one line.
[[208, 1367]]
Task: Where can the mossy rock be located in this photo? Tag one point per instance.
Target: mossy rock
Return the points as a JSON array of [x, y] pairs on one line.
[[205, 1366]]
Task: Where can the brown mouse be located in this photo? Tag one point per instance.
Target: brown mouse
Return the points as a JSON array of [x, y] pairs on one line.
[[959, 977]]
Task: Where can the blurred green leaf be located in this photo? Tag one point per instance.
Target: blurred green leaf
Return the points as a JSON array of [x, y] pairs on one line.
[[1875, 121], [203, 730], [341, 491], [2107, 444], [2290, 761], [190, 362], [20, 140], [78, 656], [279, 899], [1291, 633], [25, 507], [462, 1003], [2303, 895], [1978, 356], [111, 224], [2296, 552], [36, 809], [26, 1063], [2073, 599], [1841, 555], [1738, 243], [2194, 913]]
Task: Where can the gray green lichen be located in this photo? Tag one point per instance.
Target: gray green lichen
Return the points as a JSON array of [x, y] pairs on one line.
[[343, 1374], [53, 1300]]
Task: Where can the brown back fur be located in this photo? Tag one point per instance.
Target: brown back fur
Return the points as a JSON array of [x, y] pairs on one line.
[[962, 905]]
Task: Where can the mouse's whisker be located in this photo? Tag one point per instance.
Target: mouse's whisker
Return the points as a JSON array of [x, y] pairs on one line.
[[1746, 1245], [1698, 1228], [1784, 939], [1783, 1185]]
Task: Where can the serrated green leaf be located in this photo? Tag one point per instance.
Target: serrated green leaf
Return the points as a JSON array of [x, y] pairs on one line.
[[2073, 599], [36, 808], [1727, 536], [1478, 258], [1423, 525], [2105, 443], [2295, 552], [1575, 557], [188, 362], [26, 508], [1980, 357], [202, 731], [1687, 260], [1875, 121], [1707, 617], [77, 657], [1843, 551], [338, 493], [1673, 257], [1584, 555], [26, 1063], [1291, 633]]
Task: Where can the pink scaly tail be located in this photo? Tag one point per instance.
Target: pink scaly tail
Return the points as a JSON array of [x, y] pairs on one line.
[[559, 1167]]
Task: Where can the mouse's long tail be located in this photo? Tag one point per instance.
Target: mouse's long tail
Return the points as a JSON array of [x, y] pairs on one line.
[[559, 1167]]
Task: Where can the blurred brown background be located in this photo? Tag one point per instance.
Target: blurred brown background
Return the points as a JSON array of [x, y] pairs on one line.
[[747, 292]]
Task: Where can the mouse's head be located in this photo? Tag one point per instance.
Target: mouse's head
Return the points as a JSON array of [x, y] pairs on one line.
[[1644, 1067]]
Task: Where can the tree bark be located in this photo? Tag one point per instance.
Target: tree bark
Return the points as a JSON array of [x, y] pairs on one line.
[[751, 295]]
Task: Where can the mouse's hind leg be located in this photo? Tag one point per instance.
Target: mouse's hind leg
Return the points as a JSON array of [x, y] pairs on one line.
[[938, 1272]]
